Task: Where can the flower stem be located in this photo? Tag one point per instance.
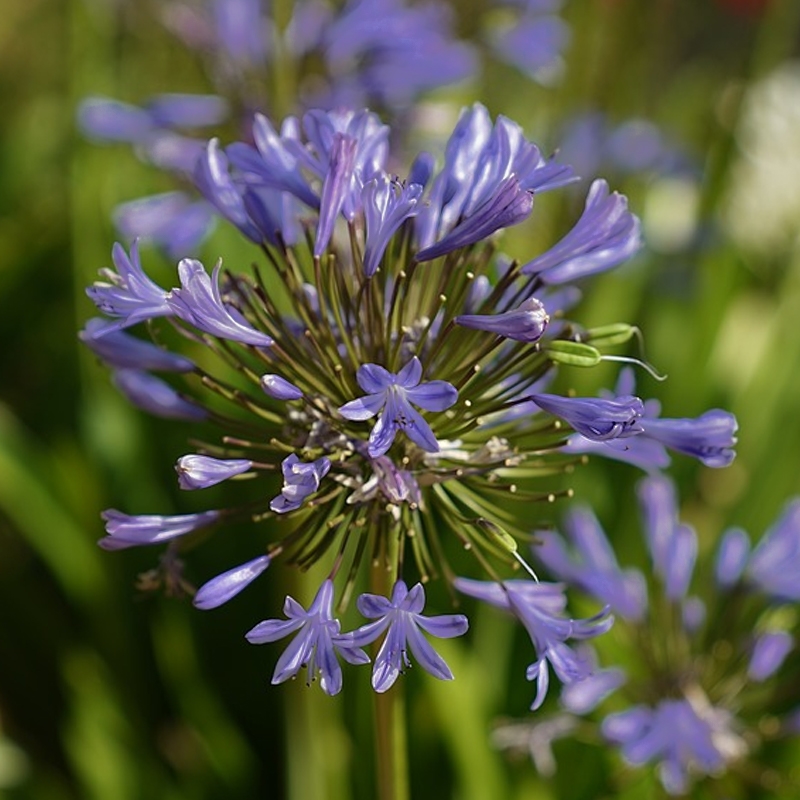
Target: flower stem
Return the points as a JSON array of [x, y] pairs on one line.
[[391, 744]]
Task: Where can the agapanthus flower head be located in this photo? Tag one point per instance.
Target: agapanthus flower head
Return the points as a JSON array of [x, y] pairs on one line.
[[702, 671], [378, 378]]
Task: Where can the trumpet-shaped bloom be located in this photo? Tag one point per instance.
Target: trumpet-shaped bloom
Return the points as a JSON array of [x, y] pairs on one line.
[[775, 561], [709, 438], [279, 388], [402, 616], [200, 472], [540, 607], [124, 351], [593, 565], [526, 323], [128, 293], [317, 644], [393, 394], [227, 585], [596, 417], [125, 530], [387, 204], [155, 396], [299, 481], [200, 303], [605, 235]]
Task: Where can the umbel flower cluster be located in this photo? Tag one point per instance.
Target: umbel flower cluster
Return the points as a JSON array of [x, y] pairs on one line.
[[381, 371], [709, 649]]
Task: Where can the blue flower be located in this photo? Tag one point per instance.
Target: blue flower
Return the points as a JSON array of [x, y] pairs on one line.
[[509, 205], [200, 472], [539, 607], [128, 293], [596, 418], [775, 562], [485, 184], [732, 554], [172, 221], [387, 204], [526, 323], [200, 303], [709, 438], [155, 396], [316, 645], [299, 481], [769, 652], [394, 393], [605, 235], [335, 188], [121, 350], [683, 737], [227, 585], [595, 569], [279, 388], [402, 615], [125, 530]]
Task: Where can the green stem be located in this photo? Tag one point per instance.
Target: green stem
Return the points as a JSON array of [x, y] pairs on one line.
[[391, 745]]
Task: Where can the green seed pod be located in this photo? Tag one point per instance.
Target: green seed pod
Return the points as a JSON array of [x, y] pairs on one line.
[[574, 354], [607, 335]]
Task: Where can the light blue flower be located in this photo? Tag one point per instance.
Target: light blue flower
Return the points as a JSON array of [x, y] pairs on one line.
[[393, 394], [403, 617], [317, 644]]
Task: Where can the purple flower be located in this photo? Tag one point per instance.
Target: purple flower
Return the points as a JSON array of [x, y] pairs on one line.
[[402, 615], [526, 323], [316, 645], [660, 511], [171, 221], [581, 697], [709, 438], [390, 51], [732, 555], [128, 293], [153, 395], [393, 393], [769, 652], [212, 178], [487, 174], [683, 737], [534, 45], [775, 562], [508, 206], [241, 30], [539, 607], [200, 472], [279, 388], [200, 303], [593, 567], [335, 187], [124, 351], [125, 530], [606, 235], [679, 562], [596, 418], [387, 204], [107, 120], [227, 585], [299, 481], [273, 163]]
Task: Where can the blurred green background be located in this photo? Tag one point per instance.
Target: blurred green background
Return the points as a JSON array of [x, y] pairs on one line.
[[107, 693]]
